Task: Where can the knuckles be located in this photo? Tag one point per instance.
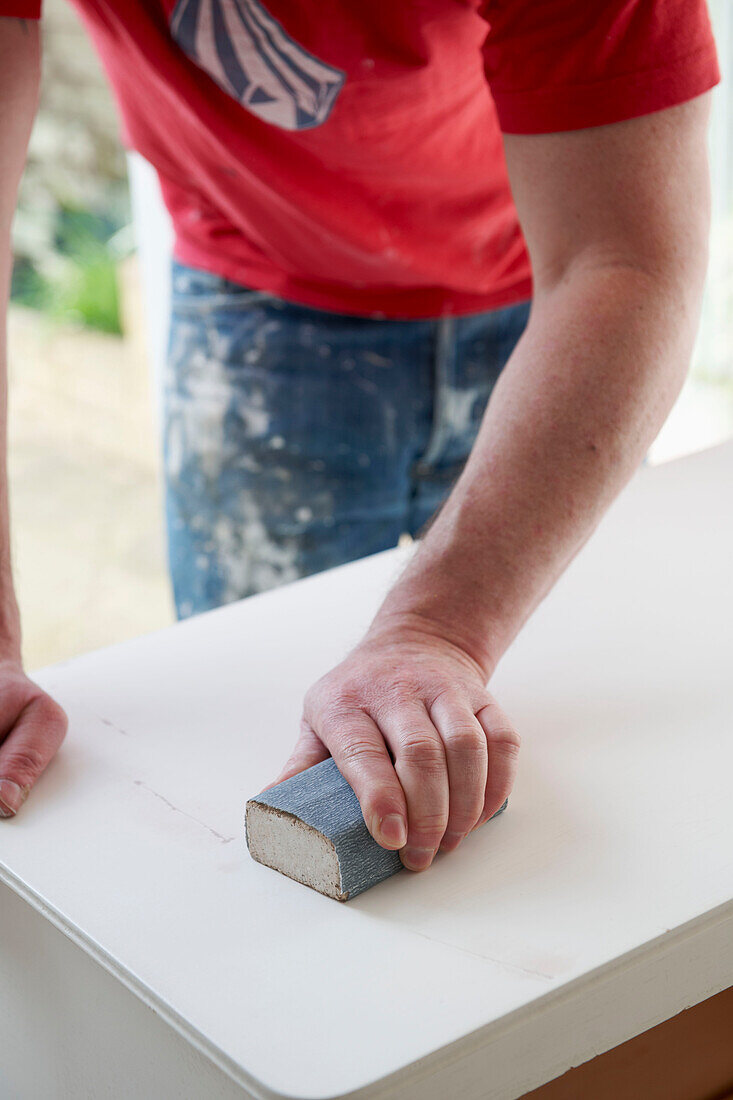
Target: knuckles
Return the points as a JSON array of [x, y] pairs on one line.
[[427, 830], [360, 753], [421, 751], [466, 741], [52, 714], [507, 739], [462, 823], [23, 766]]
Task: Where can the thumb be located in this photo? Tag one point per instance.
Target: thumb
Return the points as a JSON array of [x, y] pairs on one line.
[[32, 742]]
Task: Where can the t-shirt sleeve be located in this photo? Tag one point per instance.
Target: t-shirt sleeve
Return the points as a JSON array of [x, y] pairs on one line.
[[567, 64], [20, 9]]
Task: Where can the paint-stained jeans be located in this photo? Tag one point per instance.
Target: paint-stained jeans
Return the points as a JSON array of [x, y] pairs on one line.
[[297, 439]]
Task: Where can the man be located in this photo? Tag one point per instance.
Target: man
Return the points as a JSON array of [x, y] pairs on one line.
[[350, 278]]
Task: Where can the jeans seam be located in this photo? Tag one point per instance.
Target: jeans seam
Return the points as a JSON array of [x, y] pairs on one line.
[[444, 354]]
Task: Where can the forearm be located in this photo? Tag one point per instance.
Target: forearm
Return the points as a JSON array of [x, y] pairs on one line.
[[19, 79], [586, 391], [9, 616]]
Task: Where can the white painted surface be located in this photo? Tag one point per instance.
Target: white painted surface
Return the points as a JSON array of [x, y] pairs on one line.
[[598, 905], [71, 1031]]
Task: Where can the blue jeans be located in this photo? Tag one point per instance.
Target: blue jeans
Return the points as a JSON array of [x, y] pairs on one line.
[[297, 439]]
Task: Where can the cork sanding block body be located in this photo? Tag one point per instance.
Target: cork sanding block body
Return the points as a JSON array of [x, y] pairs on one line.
[[311, 828]]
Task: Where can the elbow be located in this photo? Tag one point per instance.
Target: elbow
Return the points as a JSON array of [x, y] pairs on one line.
[[665, 249], [665, 274]]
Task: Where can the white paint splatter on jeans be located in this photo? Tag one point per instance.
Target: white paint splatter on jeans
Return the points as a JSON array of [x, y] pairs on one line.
[[298, 439]]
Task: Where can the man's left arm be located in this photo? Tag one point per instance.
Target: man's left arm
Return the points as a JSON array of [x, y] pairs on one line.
[[616, 219]]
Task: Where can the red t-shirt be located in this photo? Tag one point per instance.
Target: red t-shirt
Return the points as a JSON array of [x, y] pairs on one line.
[[347, 154]]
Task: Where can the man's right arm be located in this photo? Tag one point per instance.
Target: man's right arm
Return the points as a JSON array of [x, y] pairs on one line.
[[32, 726]]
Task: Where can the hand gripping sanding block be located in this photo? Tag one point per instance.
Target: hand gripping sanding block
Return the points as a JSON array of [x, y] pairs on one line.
[[310, 827]]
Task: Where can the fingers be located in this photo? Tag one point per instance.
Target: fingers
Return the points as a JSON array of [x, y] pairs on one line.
[[420, 764], [426, 773], [467, 759], [361, 756], [503, 743], [27, 749], [452, 770]]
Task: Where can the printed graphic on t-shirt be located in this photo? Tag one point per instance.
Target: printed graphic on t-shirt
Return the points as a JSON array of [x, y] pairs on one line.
[[250, 56]]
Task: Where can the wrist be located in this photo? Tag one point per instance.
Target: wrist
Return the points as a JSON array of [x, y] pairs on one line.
[[10, 651], [440, 595], [464, 582], [412, 626]]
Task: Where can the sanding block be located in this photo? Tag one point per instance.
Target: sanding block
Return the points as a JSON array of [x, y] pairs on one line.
[[311, 828]]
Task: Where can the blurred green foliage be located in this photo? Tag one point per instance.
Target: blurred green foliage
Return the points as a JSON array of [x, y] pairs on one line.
[[78, 282]]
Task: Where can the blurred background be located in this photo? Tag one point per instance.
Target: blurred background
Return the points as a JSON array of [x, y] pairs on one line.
[[87, 330]]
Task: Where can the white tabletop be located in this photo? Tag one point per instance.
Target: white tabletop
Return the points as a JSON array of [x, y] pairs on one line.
[[600, 903]]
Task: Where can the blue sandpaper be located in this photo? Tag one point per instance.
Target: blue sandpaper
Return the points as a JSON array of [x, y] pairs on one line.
[[322, 798]]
